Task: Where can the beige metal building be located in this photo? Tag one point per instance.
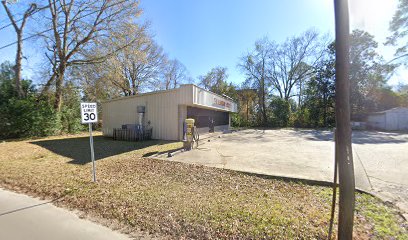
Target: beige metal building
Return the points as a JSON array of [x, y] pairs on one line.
[[165, 111], [395, 119]]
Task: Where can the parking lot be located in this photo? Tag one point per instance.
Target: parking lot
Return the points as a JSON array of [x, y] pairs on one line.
[[380, 158]]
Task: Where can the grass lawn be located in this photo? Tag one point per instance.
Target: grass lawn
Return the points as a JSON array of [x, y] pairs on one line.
[[175, 201]]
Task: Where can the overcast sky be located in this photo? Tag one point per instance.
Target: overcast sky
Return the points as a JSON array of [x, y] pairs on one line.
[[210, 33]]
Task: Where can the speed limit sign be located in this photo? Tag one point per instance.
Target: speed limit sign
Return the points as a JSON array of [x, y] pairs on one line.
[[89, 113]]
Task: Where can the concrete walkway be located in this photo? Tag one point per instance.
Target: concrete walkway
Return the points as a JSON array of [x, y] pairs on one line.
[[23, 217], [380, 159]]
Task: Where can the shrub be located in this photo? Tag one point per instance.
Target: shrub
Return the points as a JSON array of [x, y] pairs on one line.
[[280, 112], [33, 115], [70, 115], [27, 117]]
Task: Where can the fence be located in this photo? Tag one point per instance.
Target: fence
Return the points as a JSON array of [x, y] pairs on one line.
[[131, 134]]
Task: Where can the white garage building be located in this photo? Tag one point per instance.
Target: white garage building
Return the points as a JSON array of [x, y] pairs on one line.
[[395, 119], [165, 111]]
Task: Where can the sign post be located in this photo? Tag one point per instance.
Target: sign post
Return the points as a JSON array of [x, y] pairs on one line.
[[89, 115]]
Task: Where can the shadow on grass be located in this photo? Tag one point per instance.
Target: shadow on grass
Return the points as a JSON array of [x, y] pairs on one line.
[[78, 149]]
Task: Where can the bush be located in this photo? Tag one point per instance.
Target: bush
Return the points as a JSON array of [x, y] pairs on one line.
[[238, 120], [70, 115], [280, 112], [23, 117], [301, 119], [33, 115], [27, 117]]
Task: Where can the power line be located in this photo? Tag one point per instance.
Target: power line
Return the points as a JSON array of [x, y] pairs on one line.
[[26, 38], [38, 34], [4, 20], [21, 19]]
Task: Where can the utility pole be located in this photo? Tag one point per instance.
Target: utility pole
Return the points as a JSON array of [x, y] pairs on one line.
[[343, 150]]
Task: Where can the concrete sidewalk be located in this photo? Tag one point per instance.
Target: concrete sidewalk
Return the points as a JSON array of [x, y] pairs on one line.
[[380, 159], [23, 217]]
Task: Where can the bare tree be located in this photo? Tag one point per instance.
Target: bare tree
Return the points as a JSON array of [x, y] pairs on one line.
[[247, 100], [292, 62], [255, 66], [75, 27], [19, 31], [136, 67], [215, 80], [139, 67], [142, 69], [174, 73], [95, 82]]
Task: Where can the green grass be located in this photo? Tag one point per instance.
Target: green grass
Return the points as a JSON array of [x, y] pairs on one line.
[[383, 219], [379, 220], [175, 200]]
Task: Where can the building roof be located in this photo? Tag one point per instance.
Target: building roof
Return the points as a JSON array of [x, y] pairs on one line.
[[389, 110], [165, 91], [140, 94]]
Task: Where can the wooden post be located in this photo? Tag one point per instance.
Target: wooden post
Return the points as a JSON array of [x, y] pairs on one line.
[[343, 149]]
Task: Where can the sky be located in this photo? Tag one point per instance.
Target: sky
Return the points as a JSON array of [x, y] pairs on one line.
[[206, 34], [211, 33]]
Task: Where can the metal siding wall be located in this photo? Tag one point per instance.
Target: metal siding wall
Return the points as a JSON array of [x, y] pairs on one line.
[[117, 113], [162, 110], [397, 119], [391, 121], [185, 94], [182, 115], [403, 119], [377, 121]]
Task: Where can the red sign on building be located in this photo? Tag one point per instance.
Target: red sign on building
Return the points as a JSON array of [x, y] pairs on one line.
[[222, 103]]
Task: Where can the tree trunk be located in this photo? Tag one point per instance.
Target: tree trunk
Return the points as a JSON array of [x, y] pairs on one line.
[[247, 111], [19, 58], [325, 110], [132, 86], [300, 95], [265, 118], [175, 83], [19, 54], [58, 86], [168, 82], [48, 84], [263, 97]]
